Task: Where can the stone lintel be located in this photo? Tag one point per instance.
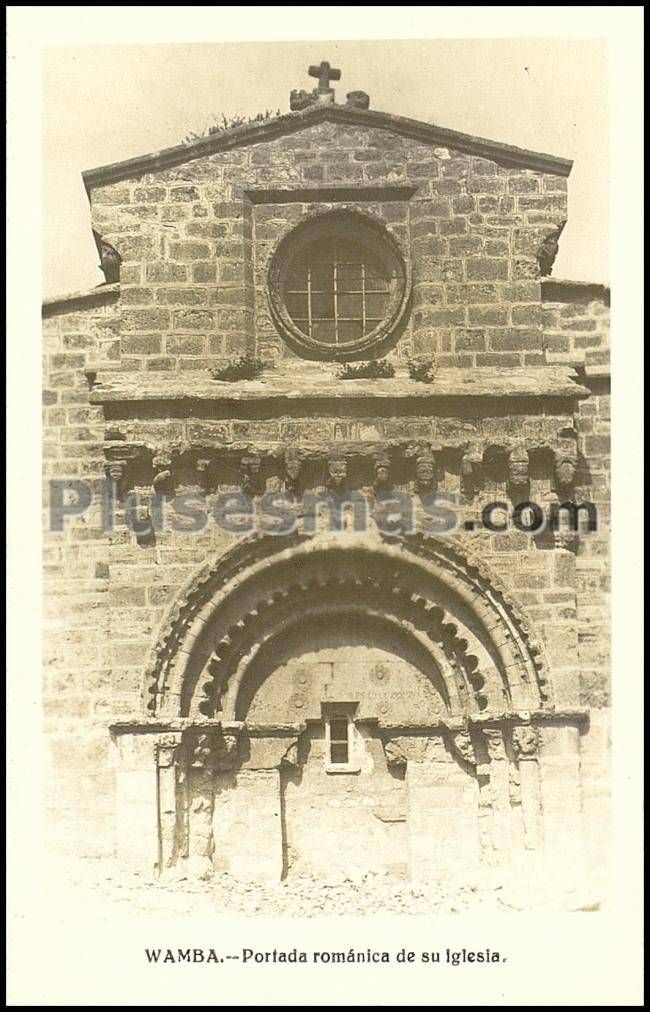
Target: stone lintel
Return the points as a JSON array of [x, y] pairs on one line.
[[153, 725]]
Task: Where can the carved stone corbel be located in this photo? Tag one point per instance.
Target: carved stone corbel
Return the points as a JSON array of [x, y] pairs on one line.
[[471, 474], [204, 473], [163, 481], [110, 259], [337, 472], [250, 471], [116, 470], [293, 461], [518, 461], [565, 464], [425, 471], [381, 476]]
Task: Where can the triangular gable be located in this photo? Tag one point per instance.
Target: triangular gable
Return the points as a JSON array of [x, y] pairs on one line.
[[258, 132]]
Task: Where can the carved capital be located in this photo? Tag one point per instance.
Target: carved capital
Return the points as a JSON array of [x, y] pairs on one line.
[[226, 751], [201, 751], [463, 746], [525, 742], [213, 750], [167, 750], [494, 743], [395, 756]]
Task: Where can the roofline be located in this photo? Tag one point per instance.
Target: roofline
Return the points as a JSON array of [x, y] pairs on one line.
[[93, 295], [254, 133], [565, 290]]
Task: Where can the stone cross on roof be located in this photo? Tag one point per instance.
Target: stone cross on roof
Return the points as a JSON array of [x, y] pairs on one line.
[[323, 94], [325, 73]]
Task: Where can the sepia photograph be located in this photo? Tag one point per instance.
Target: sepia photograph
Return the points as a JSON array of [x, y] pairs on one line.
[[326, 472]]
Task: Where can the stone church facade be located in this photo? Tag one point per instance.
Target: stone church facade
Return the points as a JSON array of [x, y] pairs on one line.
[[391, 698]]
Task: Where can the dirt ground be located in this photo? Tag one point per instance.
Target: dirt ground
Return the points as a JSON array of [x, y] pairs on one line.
[[181, 893]]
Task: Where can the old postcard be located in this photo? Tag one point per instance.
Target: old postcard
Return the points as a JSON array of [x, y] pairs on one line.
[[326, 542]]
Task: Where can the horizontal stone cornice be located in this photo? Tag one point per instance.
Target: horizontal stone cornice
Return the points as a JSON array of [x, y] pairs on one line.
[[488, 382]]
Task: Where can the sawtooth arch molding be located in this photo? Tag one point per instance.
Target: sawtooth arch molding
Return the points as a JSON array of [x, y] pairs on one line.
[[449, 604]]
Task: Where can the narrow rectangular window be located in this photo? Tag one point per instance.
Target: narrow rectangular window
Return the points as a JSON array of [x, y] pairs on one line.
[[339, 740]]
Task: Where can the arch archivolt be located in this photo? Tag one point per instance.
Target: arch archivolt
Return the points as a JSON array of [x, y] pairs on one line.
[[480, 649]]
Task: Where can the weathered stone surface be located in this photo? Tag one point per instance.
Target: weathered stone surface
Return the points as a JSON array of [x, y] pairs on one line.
[[476, 709], [320, 383]]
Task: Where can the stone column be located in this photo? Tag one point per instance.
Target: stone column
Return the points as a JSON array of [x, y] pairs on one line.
[[209, 753], [169, 769], [499, 791], [200, 797], [525, 743]]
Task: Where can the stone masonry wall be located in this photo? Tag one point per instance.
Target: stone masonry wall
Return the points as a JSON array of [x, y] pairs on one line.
[[194, 239], [77, 686], [195, 243], [576, 322]]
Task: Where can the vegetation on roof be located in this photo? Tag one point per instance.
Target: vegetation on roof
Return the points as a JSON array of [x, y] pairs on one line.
[[374, 369], [423, 368], [219, 124], [246, 367]]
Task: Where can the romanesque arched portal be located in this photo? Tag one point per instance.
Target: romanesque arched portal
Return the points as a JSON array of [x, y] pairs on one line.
[[347, 701]]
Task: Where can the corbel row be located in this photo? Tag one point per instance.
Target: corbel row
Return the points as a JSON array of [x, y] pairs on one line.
[[416, 467]]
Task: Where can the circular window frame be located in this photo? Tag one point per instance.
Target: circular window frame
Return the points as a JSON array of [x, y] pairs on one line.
[[352, 227]]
